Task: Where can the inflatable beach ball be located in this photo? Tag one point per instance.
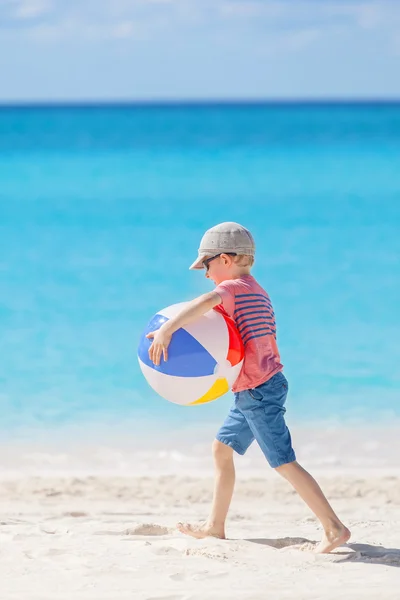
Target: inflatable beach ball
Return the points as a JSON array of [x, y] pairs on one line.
[[204, 358]]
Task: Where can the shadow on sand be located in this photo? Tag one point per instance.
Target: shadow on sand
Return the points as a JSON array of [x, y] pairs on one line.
[[363, 553]]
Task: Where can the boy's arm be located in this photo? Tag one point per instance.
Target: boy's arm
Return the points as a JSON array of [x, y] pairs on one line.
[[195, 309]]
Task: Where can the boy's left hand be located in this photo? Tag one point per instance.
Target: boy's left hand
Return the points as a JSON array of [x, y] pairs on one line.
[[161, 341]]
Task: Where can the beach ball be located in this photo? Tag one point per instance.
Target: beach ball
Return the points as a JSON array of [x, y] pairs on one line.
[[204, 358]]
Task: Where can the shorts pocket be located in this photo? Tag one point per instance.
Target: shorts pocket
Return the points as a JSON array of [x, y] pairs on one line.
[[277, 384], [277, 381], [256, 394]]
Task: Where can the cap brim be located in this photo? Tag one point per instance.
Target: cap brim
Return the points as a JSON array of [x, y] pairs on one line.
[[198, 263]]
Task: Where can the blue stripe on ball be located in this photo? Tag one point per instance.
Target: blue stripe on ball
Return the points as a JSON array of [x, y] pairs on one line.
[[186, 356]]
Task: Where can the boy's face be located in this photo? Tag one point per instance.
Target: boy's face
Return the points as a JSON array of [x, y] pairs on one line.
[[220, 269]]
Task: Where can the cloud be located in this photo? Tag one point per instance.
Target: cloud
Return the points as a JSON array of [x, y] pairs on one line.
[[17, 10], [123, 30], [49, 20], [299, 39], [251, 9], [28, 9], [365, 13], [297, 23], [291, 26]]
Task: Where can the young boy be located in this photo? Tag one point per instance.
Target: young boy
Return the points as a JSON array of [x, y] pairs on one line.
[[227, 254]]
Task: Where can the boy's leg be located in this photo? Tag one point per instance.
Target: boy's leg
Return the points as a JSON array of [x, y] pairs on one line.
[[264, 409], [223, 489], [234, 434], [335, 532]]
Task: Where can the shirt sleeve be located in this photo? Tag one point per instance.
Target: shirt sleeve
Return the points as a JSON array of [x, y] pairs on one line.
[[226, 290]]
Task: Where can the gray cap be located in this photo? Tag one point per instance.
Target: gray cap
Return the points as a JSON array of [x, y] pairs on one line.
[[225, 237]]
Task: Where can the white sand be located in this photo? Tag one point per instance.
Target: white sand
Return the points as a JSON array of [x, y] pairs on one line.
[[113, 538]]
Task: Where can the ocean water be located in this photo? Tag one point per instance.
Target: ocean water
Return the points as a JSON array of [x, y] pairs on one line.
[[101, 213]]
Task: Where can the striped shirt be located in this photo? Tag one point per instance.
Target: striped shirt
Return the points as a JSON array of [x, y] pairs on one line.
[[249, 305]]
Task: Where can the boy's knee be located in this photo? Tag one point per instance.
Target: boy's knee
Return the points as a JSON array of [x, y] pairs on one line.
[[286, 468], [221, 452]]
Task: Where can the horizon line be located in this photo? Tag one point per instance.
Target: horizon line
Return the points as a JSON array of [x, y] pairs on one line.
[[182, 102]]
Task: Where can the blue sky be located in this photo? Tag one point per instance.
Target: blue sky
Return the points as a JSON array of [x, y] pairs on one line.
[[166, 49]]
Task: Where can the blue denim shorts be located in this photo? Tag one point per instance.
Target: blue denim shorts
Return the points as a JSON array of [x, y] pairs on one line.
[[258, 414]]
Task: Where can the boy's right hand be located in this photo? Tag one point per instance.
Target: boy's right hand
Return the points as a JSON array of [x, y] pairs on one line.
[[161, 340], [194, 310]]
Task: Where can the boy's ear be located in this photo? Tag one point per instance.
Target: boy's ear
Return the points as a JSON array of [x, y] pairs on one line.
[[227, 258]]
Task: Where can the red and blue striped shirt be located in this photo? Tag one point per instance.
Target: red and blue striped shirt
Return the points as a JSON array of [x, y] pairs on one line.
[[250, 306]]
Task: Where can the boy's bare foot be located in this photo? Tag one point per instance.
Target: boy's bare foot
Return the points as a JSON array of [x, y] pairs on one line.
[[201, 531], [332, 539]]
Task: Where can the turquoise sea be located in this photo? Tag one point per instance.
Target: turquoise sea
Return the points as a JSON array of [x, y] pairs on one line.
[[101, 212]]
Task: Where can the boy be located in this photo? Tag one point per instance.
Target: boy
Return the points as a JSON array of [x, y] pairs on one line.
[[227, 254]]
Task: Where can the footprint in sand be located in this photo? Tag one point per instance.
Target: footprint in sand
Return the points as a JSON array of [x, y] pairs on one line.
[[166, 551], [148, 529], [76, 514], [203, 575], [143, 529], [207, 553], [178, 576], [56, 552], [46, 554]]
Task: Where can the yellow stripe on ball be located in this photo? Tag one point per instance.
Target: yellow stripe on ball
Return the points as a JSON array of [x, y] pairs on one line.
[[220, 387]]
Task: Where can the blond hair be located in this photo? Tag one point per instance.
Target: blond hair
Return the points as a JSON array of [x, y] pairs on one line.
[[243, 260]]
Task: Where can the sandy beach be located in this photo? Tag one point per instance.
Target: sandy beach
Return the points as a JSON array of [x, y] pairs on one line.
[[114, 538], [106, 189]]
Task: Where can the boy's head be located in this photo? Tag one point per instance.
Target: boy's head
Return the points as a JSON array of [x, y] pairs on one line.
[[226, 252]]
